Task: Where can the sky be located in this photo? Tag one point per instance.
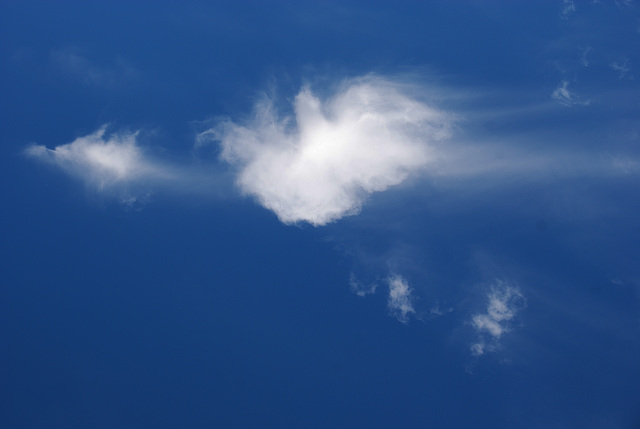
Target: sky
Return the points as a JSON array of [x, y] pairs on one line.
[[320, 214]]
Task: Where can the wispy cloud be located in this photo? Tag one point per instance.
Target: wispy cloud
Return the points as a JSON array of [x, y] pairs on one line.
[[503, 303], [564, 96], [114, 165], [620, 3], [73, 64], [626, 165], [436, 311], [583, 58], [622, 67], [400, 300], [321, 164], [101, 160], [568, 8], [361, 288]]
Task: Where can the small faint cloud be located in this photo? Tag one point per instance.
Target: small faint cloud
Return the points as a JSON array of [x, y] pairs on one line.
[[559, 67], [568, 8], [583, 58], [503, 303], [360, 288], [436, 311], [626, 165], [135, 202], [622, 67], [626, 3], [564, 96], [400, 300], [70, 62]]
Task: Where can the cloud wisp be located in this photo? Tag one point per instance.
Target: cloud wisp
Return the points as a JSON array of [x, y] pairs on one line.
[[583, 58], [400, 301], [568, 8], [503, 303], [360, 288], [567, 98], [321, 164], [622, 67], [71, 63], [101, 160], [115, 165]]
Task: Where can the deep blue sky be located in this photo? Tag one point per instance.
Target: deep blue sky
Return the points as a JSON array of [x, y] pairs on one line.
[[448, 237]]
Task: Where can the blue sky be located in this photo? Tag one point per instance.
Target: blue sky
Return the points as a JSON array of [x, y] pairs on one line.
[[320, 214]]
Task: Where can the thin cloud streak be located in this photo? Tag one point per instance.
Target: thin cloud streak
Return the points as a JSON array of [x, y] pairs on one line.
[[71, 63], [583, 58], [325, 160]]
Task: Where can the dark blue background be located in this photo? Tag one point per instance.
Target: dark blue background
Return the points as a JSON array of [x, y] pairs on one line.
[[207, 312]]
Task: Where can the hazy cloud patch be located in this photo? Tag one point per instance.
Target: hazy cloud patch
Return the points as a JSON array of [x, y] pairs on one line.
[[437, 311], [583, 58], [626, 165], [568, 8], [361, 288], [503, 303], [564, 96], [72, 63], [622, 67], [400, 300]]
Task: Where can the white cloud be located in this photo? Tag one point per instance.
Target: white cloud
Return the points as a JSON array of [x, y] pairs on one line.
[[503, 302], [400, 300], [323, 163], [116, 166], [102, 161], [565, 97]]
